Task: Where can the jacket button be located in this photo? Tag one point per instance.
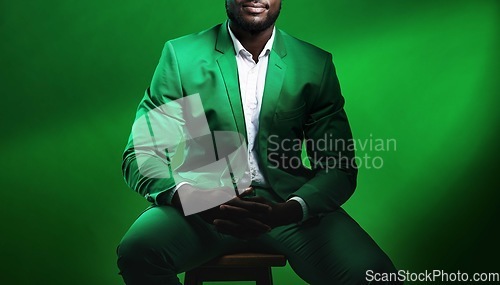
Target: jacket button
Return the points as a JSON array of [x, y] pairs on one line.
[[149, 198]]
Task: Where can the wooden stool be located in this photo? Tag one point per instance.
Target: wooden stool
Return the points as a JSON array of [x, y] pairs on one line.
[[237, 267]]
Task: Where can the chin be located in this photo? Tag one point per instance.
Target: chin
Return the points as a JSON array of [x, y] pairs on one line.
[[255, 21]]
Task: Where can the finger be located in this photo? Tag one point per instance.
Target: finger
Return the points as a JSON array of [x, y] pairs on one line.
[[249, 224], [246, 192], [250, 205], [231, 212], [256, 225], [236, 211], [261, 200]]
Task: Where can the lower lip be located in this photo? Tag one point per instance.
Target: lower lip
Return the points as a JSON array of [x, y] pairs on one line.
[[254, 10]]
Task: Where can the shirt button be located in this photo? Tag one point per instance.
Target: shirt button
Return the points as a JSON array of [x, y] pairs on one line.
[[234, 180]]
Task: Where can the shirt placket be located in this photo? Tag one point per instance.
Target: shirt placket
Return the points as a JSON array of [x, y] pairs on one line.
[[252, 106]]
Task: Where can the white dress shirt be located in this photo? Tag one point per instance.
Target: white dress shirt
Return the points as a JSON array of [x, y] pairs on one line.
[[252, 79]]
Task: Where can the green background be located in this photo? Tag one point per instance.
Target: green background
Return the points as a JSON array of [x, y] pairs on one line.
[[422, 72]]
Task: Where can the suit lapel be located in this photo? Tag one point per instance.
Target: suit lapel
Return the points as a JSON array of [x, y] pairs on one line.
[[229, 70], [274, 82]]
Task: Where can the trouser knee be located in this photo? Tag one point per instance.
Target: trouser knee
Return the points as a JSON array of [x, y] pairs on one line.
[[139, 259]]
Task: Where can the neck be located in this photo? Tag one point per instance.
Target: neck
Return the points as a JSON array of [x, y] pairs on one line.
[[252, 42]]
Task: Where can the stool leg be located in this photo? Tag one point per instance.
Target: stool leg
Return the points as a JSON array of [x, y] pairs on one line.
[[264, 276], [261, 275], [191, 278]]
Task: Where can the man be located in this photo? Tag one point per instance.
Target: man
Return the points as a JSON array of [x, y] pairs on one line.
[[275, 91]]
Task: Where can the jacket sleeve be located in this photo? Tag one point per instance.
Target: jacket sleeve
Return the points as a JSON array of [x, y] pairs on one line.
[[146, 164], [334, 166]]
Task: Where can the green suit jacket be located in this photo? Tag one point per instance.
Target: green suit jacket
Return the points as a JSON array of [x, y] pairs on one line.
[[301, 101]]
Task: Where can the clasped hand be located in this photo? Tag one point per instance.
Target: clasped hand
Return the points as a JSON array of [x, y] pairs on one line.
[[249, 217]]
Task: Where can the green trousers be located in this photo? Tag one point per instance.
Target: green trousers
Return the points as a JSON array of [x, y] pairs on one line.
[[332, 249]]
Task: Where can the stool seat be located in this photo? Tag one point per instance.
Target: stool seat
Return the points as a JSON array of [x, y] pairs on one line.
[[237, 267]]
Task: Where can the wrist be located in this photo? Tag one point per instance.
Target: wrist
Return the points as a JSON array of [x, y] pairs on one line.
[[292, 212]]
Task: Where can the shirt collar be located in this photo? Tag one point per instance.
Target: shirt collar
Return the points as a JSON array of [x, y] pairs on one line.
[[238, 47]]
